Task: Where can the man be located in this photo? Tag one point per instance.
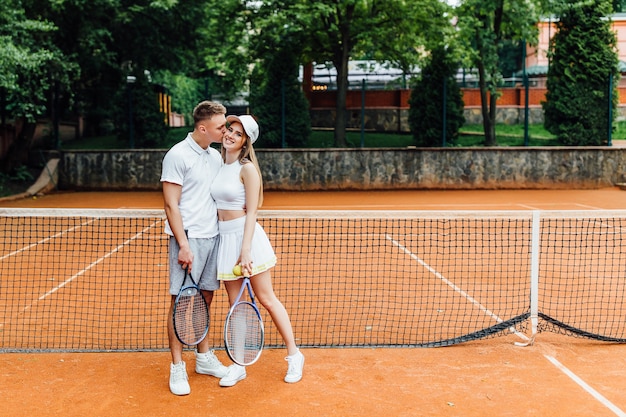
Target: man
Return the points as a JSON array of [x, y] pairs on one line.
[[189, 168]]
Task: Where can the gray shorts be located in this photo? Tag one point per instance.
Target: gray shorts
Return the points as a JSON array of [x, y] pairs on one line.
[[204, 268]]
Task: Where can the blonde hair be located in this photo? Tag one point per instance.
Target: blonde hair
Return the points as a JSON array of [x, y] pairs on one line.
[[247, 155]]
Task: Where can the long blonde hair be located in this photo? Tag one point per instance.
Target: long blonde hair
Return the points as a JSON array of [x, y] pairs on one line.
[[247, 155]]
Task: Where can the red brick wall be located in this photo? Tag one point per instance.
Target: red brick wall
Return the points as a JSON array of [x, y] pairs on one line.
[[400, 98]]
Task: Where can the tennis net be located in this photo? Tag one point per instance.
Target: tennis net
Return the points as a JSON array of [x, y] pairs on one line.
[[97, 280]]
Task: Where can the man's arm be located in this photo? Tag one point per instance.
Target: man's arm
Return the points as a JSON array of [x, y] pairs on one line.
[[171, 198]]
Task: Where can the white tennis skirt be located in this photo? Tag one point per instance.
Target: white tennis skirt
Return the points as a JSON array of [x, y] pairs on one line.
[[231, 238]]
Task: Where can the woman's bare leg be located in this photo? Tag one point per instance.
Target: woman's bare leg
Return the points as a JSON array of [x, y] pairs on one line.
[[264, 293]]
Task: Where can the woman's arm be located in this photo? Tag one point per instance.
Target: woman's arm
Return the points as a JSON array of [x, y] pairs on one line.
[[252, 183]]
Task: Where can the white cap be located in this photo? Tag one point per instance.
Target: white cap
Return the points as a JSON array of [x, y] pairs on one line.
[[250, 125]]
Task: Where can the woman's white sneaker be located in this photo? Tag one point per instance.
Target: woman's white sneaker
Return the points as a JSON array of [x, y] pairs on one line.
[[296, 363], [235, 374]]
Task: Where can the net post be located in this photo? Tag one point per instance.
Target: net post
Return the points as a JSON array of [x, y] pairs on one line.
[[534, 273], [534, 276]]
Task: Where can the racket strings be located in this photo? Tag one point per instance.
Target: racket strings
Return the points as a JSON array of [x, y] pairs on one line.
[[191, 319], [244, 334]]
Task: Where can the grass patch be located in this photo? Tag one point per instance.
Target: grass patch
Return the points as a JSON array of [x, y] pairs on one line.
[[508, 135], [469, 136], [620, 131]]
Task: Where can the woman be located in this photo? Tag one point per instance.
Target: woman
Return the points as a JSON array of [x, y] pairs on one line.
[[238, 193]]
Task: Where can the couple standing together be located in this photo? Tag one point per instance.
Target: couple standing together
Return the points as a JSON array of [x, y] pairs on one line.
[[215, 199]]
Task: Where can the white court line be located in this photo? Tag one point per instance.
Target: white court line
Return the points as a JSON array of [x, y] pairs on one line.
[[556, 363], [586, 207], [81, 272], [39, 243], [605, 402], [526, 206], [46, 239], [453, 286]]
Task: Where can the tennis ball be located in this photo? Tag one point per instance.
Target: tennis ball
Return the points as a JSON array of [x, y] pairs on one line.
[[237, 270]]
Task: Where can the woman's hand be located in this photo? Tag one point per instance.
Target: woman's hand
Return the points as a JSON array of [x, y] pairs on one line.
[[246, 263]]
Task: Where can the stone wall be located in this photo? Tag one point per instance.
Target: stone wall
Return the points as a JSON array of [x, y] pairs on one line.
[[111, 170], [373, 169]]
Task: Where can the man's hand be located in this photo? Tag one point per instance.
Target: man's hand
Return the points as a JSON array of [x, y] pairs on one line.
[[185, 257]]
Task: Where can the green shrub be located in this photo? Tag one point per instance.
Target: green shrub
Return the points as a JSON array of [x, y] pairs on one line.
[[426, 119], [273, 83], [584, 59]]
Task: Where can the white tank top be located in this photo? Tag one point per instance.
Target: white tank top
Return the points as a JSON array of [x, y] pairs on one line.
[[227, 189]]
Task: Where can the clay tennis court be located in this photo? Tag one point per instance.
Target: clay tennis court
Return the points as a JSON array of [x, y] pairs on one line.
[[558, 375]]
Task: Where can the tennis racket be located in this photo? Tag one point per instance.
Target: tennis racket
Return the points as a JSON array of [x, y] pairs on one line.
[[244, 334], [191, 313]]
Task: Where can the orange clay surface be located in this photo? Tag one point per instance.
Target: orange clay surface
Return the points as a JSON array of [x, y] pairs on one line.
[[557, 376]]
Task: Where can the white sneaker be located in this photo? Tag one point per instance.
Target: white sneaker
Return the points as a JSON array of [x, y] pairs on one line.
[[179, 384], [296, 363], [208, 364], [235, 374]]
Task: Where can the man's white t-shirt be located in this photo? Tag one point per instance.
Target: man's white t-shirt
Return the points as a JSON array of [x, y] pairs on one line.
[[194, 168]]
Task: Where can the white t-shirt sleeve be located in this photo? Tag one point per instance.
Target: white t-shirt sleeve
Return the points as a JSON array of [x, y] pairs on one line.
[[173, 169]]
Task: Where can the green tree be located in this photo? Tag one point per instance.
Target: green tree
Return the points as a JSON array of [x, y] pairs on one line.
[[619, 6], [338, 30], [276, 96], [583, 61], [485, 27], [510, 58], [225, 57], [73, 57], [259, 53], [113, 39], [185, 92], [31, 67], [426, 112], [85, 36]]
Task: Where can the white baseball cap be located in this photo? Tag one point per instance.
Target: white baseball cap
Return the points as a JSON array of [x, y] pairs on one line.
[[250, 125]]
